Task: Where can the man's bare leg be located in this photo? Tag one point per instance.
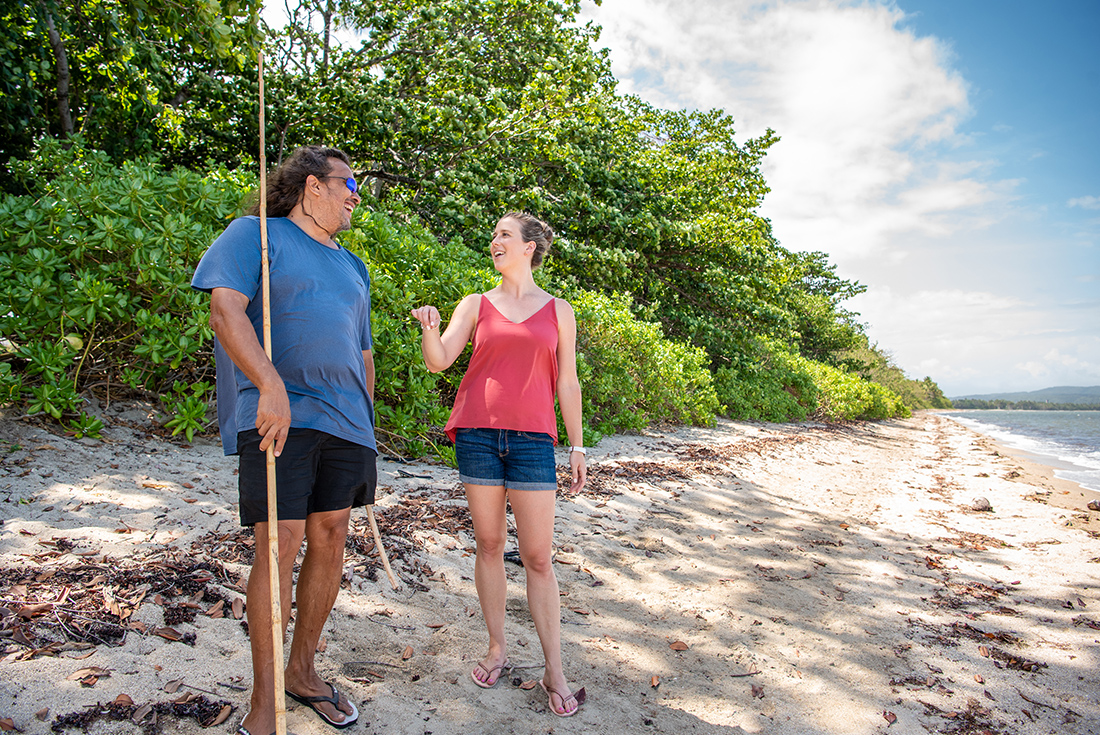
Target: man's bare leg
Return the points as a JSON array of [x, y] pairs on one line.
[[318, 585], [261, 719]]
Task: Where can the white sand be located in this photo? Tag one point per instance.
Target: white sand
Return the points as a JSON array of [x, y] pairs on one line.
[[826, 560]]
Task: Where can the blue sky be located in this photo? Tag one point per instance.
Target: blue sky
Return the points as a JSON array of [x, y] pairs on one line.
[[945, 154]]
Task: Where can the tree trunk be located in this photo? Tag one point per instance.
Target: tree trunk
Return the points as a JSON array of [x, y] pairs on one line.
[[328, 34], [63, 75]]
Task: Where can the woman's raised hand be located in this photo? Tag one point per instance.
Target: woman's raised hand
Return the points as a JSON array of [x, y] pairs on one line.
[[428, 316]]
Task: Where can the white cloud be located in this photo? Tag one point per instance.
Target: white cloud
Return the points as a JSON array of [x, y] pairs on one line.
[[867, 111], [981, 342], [1089, 202], [875, 167]]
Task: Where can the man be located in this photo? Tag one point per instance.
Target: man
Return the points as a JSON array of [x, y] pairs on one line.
[[313, 400]]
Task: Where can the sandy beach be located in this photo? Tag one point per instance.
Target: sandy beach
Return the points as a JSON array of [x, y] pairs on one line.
[[752, 578]]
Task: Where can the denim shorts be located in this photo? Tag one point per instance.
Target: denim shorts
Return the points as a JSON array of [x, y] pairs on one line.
[[317, 472], [518, 460]]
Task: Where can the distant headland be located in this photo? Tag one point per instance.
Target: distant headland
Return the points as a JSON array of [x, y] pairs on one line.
[[1065, 397]]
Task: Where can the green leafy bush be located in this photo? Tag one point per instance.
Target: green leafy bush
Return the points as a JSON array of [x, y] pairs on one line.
[[95, 277], [845, 396], [767, 383], [95, 293], [631, 374]]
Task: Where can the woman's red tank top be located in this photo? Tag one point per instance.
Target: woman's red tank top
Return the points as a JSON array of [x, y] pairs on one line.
[[513, 374]]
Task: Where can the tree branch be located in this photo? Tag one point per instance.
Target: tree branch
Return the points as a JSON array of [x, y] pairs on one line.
[[63, 74]]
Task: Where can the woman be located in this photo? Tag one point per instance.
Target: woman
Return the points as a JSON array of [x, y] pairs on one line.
[[504, 430]]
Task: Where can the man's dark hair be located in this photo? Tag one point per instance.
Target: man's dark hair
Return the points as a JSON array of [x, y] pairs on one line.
[[286, 184]]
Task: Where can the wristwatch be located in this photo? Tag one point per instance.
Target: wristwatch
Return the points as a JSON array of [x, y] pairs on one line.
[[582, 450]]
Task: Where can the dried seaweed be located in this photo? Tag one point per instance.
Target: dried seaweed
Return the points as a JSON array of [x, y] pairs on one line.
[[198, 708]]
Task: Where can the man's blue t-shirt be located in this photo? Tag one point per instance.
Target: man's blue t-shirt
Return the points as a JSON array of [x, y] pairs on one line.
[[320, 325]]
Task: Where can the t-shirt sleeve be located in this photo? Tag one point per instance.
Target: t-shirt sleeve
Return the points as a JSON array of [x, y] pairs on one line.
[[233, 260], [366, 337]]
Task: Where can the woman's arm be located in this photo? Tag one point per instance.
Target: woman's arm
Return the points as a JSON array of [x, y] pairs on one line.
[[569, 390], [440, 351]]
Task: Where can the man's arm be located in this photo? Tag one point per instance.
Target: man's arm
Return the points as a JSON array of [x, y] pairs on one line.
[[236, 335], [368, 363]]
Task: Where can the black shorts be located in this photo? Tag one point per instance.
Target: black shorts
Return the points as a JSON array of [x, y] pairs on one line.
[[316, 472]]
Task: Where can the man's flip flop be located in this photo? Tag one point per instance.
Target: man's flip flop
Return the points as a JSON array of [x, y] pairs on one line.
[[334, 700], [577, 696], [498, 670]]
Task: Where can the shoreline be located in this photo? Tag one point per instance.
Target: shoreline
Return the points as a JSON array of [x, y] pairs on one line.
[[1056, 463], [802, 579], [1042, 473]]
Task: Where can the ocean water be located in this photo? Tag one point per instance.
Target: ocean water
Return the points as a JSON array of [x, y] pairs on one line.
[[1068, 441]]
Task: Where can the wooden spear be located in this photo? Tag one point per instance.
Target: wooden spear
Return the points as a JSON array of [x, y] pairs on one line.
[[381, 549], [272, 497]]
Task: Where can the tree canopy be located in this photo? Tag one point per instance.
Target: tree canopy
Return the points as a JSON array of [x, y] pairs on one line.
[[454, 111]]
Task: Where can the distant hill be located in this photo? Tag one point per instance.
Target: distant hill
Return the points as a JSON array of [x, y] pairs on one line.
[[1059, 394]]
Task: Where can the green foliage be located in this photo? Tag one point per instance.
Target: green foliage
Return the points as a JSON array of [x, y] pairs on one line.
[[85, 425], [94, 276], [631, 374], [133, 76], [843, 396], [767, 384], [188, 405], [872, 363], [455, 111], [1006, 405]]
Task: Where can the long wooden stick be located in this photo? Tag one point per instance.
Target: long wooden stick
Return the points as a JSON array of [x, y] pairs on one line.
[[272, 495], [381, 549]]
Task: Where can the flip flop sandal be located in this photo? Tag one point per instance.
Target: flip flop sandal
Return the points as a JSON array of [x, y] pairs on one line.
[[577, 696], [242, 730], [334, 700], [489, 674]]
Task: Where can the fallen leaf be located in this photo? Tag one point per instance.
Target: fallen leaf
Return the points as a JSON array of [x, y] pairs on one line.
[[579, 611], [42, 714], [184, 699], [169, 633], [407, 653], [678, 646], [978, 678], [29, 611], [890, 717], [173, 686], [655, 681], [217, 611], [757, 691], [238, 608], [89, 682], [187, 485], [141, 713], [436, 625], [124, 700], [7, 724], [322, 644], [110, 602], [90, 671], [190, 500], [984, 651], [137, 625], [221, 717], [528, 684]]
